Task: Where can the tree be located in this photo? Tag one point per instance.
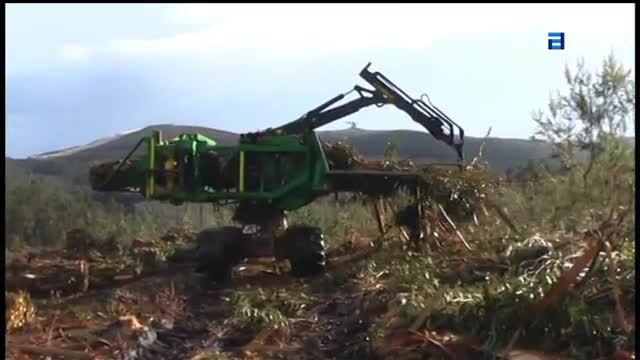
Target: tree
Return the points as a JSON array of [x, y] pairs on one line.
[[590, 120]]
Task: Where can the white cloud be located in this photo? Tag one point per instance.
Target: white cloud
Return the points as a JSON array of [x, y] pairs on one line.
[[393, 18], [305, 29], [293, 30], [74, 52]]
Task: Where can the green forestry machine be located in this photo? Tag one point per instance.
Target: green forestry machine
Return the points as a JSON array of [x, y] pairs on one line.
[[267, 174]]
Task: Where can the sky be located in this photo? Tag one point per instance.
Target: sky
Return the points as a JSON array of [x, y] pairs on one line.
[[79, 72]]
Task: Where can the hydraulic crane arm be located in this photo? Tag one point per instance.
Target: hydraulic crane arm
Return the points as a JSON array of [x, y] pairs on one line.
[[320, 116], [438, 124], [427, 115]]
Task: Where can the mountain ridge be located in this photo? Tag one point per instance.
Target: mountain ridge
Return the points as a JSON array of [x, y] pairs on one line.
[[72, 163]]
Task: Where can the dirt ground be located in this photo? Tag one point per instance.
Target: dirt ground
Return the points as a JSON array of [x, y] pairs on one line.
[[74, 304], [180, 312]]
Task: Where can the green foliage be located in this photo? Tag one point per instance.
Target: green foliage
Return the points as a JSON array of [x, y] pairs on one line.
[[459, 193], [40, 210], [257, 309], [338, 220], [554, 203], [592, 116], [560, 202], [498, 305], [592, 109]]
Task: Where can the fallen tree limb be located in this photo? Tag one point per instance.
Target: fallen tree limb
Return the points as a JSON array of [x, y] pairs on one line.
[[479, 155], [569, 278], [503, 216], [621, 317], [51, 351], [454, 227]]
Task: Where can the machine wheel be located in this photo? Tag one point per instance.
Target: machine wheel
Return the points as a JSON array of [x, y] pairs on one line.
[[219, 250], [306, 250]]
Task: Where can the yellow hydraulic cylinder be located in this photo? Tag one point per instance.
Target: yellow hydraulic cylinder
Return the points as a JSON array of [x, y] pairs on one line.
[[241, 174]]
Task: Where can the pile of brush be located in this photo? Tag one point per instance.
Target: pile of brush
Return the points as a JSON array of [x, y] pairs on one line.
[[343, 156], [460, 192]]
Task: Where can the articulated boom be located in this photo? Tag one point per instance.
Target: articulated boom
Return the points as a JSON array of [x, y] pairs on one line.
[[385, 92]]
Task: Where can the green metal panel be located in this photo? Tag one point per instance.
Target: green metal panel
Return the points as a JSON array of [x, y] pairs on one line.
[[301, 162]]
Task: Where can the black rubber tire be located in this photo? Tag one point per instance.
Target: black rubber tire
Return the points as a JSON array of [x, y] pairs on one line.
[[219, 250], [307, 254]]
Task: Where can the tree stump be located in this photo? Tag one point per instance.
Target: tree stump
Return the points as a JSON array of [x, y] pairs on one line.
[[78, 242], [84, 275]]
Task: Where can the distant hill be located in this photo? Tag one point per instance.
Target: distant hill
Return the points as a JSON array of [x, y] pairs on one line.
[[422, 147], [72, 164], [119, 145]]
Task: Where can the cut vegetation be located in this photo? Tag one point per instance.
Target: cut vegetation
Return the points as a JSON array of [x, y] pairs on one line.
[[539, 264]]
